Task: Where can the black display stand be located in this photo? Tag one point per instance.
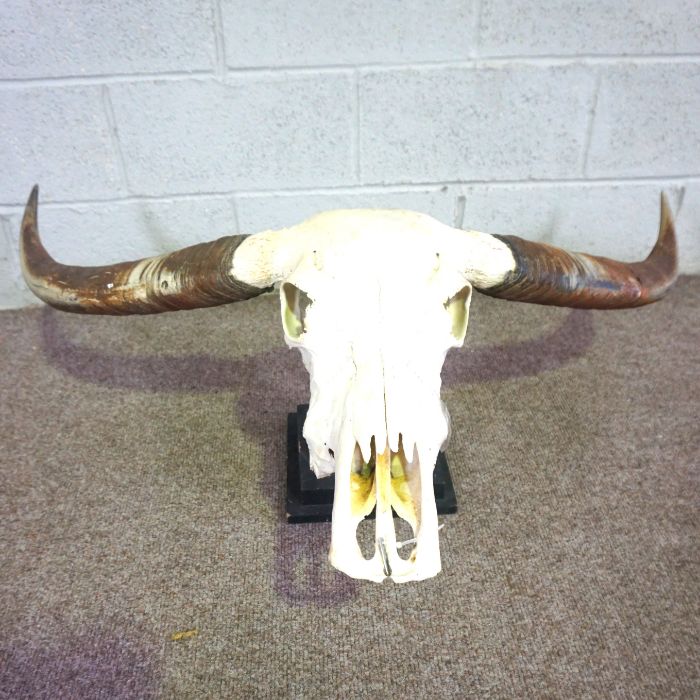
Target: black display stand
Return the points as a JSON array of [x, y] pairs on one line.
[[310, 500]]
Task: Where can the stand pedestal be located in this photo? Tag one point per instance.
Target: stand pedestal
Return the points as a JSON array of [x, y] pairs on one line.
[[310, 499]]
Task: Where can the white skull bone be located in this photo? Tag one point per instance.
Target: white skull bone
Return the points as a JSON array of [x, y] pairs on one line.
[[374, 303]]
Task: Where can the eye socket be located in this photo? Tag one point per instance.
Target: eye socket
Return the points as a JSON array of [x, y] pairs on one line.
[[295, 301], [457, 307]]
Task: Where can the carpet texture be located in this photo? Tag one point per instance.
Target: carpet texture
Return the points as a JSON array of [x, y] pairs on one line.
[[142, 495]]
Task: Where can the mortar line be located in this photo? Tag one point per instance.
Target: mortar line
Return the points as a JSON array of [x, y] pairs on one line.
[[468, 64], [219, 39], [592, 58], [439, 184], [355, 140], [101, 79], [591, 123], [114, 135], [285, 70], [429, 186]]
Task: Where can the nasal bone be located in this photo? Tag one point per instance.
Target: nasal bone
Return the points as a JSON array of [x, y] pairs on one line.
[[385, 534]]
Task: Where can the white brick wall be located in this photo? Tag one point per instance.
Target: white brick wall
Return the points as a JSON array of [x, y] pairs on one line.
[[505, 122], [152, 125]]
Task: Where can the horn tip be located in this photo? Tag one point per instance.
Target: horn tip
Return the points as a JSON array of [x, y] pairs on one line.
[[31, 208], [33, 197], [665, 251], [667, 228], [665, 207]]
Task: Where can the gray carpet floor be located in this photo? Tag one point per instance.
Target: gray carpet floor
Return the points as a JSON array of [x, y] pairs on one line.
[[142, 495]]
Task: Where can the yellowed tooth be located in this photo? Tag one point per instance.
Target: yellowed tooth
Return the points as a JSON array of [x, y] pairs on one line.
[[362, 486], [402, 499], [396, 466]]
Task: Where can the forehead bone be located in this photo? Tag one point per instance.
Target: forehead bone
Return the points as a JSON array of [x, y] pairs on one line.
[[400, 248]]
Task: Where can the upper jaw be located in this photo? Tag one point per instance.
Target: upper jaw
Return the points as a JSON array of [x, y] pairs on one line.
[[391, 484]]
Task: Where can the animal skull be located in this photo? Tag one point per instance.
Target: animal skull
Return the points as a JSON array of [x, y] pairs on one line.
[[373, 329], [373, 299]]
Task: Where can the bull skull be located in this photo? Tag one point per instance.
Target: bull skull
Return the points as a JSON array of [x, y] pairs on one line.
[[373, 299]]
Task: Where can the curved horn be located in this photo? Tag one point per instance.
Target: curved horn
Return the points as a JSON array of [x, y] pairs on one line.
[[544, 274], [191, 278]]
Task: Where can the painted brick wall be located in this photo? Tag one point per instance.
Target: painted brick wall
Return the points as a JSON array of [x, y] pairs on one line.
[[153, 125]]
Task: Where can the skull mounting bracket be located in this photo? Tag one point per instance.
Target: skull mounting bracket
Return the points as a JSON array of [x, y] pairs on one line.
[[310, 499]]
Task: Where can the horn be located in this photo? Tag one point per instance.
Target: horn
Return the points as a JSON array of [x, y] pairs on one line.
[[191, 278], [544, 274]]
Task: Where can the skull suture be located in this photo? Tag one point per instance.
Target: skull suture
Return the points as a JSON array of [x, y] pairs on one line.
[[374, 300]]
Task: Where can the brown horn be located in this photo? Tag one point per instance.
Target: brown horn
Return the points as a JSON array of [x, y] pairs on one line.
[[548, 275], [191, 278]]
